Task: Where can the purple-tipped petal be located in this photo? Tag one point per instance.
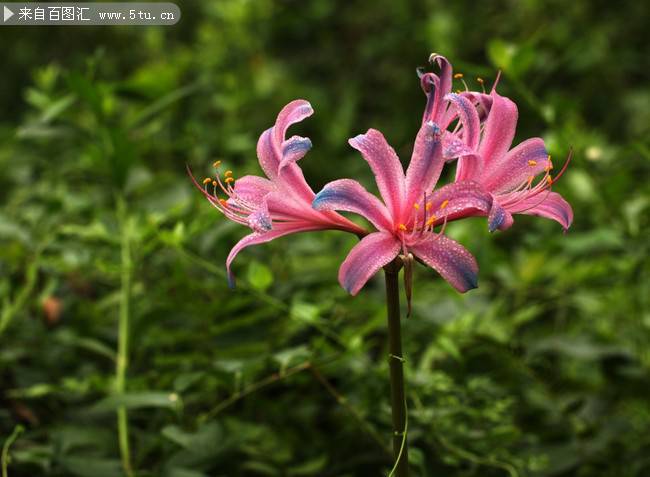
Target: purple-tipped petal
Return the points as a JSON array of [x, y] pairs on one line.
[[294, 149], [258, 238], [499, 218], [426, 163], [444, 84], [499, 129], [292, 113], [450, 259], [386, 167], [468, 117], [350, 196], [430, 85], [270, 151], [546, 204], [524, 161], [260, 219], [366, 258]]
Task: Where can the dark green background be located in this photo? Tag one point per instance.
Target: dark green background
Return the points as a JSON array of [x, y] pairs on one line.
[[542, 371]]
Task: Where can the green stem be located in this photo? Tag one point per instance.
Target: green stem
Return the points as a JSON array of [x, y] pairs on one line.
[[396, 363], [123, 337], [5, 448]]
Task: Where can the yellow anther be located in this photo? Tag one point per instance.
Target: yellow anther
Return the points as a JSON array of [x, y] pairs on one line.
[[549, 180], [444, 204], [207, 180], [402, 227], [216, 163], [416, 206], [458, 75], [458, 91], [214, 183], [532, 163], [228, 180], [228, 173], [431, 220], [223, 202], [429, 205], [480, 80]]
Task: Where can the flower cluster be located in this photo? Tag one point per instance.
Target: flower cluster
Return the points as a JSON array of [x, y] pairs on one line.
[[474, 129]]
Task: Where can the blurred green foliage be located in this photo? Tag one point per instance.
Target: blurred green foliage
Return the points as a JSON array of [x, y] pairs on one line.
[[542, 371]]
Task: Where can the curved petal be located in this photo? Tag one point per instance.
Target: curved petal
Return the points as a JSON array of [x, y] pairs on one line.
[[430, 84], [258, 238], [270, 150], [469, 168], [386, 167], [468, 117], [524, 161], [253, 189], [292, 113], [458, 200], [453, 147], [499, 129], [444, 85], [366, 258], [350, 196], [294, 149], [546, 204], [426, 163], [450, 259], [499, 218], [266, 154], [260, 219]]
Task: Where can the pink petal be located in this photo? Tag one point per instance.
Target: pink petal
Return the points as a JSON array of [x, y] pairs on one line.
[[366, 258], [458, 200], [436, 87], [258, 238], [283, 206], [426, 163], [454, 147], [350, 196], [253, 189], [526, 160], [468, 117], [260, 220], [499, 218], [270, 151], [292, 113], [499, 129], [546, 204], [469, 167], [386, 167], [266, 154], [444, 87], [450, 259], [294, 149], [430, 84]]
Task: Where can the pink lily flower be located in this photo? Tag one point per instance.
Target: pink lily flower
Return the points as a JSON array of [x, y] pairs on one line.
[[508, 175], [280, 203], [484, 127], [406, 218]]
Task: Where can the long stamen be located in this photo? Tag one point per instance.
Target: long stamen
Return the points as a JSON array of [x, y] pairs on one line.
[[480, 81], [460, 77]]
